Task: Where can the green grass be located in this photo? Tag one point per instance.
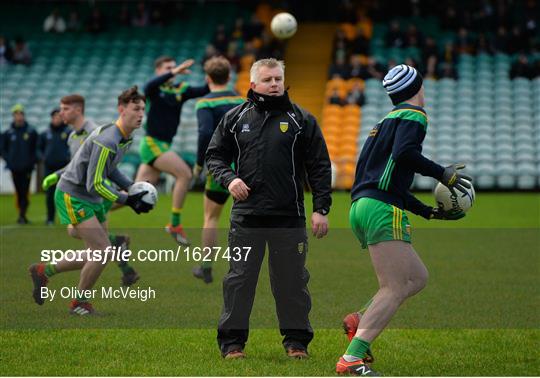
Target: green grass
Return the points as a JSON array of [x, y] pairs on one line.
[[478, 315]]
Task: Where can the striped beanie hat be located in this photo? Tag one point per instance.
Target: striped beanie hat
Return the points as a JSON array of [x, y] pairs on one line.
[[402, 82]]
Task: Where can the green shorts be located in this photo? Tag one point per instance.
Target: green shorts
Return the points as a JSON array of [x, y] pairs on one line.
[[73, 210], [374, 221], [215, 191], [151, 148]]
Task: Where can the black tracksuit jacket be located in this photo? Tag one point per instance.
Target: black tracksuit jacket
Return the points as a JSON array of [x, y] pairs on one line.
[[274, 144]]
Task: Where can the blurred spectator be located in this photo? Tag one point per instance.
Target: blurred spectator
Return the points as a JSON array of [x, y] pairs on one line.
[[74, 22], [484, 45], [339, 69], [447, 70], [356, 95], [6, 52], [209, 52], [430, 52], [96, 23], [335, 98], [341, 51], [357, 70], [232, 55], [19, 150], [394, 36], [238, 31], [449, 55], [54, 150], [414, 38], [501, 40], [464, 43], [141, 17], [375, 69], [519, 42], [253, 28], [54, 23], [522, 68], [124, 17], [270, 47], [360, 44], [21, 52], [391, 64], [156, 16], [221, 42]]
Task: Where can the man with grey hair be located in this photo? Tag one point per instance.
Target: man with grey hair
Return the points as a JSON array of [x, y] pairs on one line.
[[274, 145]]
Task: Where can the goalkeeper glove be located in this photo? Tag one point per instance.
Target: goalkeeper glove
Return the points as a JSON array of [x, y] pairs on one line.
[[49, 181], [440, 213], [452, 179], [137, 204]]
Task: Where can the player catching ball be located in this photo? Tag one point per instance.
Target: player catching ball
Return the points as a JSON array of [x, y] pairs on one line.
[[80, 193], [72, 112], [165, 101], [380, 194]]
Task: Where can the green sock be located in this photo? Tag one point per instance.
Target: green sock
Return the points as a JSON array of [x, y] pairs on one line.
[[363, 309], [125, 267], [81, 298], [50, 270], [357, 348], [112, 239], [206, 264], [176, 217]]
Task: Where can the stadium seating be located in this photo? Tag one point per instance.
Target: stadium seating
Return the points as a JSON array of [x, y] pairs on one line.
[[100, 66], [483, 119]]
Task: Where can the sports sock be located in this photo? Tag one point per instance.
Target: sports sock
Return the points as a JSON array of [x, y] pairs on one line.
[[50, 270], [357, 350], [363, 309], [81, 298], [125, 267], [112, 238], [176, 217], [206, 264]]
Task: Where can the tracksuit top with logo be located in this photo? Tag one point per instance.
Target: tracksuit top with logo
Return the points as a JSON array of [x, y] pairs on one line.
[[54, 147], [210, 109], [85, 177], [274, 145], [19, 148], [164, 103], [391, 156]]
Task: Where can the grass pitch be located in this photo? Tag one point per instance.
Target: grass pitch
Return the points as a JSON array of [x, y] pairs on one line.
[[478, 315]]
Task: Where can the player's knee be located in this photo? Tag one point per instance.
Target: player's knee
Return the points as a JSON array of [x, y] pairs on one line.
[[418, 281], [211, 220]]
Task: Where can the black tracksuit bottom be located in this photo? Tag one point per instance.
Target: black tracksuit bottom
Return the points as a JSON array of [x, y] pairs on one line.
[[287, 245], [21, 181], [51, 209]]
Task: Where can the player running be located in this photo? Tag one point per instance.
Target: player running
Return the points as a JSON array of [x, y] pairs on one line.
[[380, 194], [210, 110], [165, 101], [80, 192], [72, 112]]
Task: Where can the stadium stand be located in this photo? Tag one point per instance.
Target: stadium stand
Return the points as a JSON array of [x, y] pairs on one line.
[[478, 115]]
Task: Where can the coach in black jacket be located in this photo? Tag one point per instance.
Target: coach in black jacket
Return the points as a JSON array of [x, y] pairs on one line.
[[273, 144]]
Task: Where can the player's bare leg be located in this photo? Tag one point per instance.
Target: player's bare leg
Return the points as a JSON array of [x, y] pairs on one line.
[[209, 237], [171, 163], [401, 274]]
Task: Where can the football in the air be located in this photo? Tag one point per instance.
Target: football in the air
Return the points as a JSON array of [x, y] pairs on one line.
[[458, 201], [283, 25], [151, 197]]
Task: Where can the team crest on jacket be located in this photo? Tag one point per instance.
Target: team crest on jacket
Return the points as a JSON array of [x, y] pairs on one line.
[[284, 126]]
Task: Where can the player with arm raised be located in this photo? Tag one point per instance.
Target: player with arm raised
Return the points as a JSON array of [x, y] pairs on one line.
[[80, 193], [210, 110], [380, 194], [164, 106], [72, 113]]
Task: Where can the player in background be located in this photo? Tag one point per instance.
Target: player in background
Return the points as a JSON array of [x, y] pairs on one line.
[[380, 194], [72, 112], [210, 110], [164, 106], [80, 192]]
